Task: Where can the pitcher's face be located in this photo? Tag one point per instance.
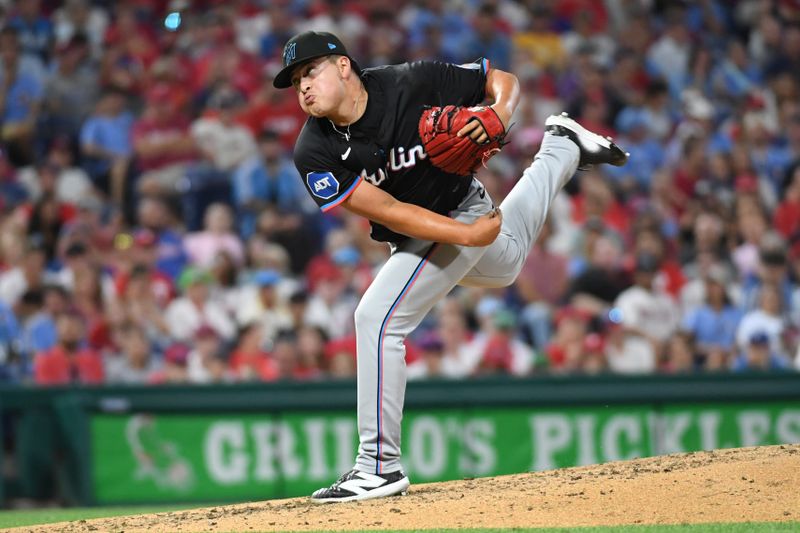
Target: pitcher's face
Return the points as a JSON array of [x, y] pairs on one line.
[[319, 86]]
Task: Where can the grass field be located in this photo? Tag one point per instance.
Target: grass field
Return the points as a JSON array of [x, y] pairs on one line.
[[29, 517], [46, 516]]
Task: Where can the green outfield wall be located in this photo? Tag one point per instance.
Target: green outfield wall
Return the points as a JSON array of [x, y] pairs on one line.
[[187, 444]]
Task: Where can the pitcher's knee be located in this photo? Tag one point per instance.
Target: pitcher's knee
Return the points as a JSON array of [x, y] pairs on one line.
[[511, 276], [366, 317]]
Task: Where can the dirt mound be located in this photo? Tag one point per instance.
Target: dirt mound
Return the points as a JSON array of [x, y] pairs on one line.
[[748, 484]]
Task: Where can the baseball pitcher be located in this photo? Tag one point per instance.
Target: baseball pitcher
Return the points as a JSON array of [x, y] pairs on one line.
[[398, 145]]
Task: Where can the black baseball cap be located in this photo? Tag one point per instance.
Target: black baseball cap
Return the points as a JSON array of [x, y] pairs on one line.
[[305, 47]]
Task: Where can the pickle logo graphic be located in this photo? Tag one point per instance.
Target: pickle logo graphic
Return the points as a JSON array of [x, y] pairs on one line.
[[156, 458]]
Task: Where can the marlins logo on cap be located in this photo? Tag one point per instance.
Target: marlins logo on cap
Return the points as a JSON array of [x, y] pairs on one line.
[[289, 54]]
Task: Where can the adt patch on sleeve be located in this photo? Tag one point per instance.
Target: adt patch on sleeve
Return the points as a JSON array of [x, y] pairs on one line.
[[322, 184]]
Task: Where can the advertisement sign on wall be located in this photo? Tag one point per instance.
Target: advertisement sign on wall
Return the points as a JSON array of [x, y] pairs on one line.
[[177, 457]]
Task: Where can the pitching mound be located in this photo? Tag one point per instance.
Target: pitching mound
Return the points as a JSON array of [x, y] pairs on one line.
[[741, 485]]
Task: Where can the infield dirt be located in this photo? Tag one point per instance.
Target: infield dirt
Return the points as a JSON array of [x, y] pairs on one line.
[[741, 485]]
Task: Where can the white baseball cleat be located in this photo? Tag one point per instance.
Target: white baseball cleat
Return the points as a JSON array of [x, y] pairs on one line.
[[356, 485], [595, 149]]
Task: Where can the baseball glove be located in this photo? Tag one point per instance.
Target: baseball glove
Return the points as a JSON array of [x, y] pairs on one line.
[[459, 155]]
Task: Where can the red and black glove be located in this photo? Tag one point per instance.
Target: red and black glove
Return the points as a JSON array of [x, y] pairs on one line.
[[459, 155]]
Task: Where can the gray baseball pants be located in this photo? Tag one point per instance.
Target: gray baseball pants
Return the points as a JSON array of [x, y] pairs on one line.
[[420, 273]]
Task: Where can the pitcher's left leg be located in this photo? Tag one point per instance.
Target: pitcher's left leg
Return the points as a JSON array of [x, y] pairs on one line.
[[524, 213], [566, 146]]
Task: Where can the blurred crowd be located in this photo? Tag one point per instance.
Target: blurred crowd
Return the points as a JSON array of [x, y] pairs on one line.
[[153, 228]]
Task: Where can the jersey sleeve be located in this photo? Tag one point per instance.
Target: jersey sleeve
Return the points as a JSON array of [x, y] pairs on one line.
[[447, 83], [325, 179]]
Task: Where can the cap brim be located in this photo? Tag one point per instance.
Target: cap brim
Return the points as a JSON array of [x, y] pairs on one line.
[[283, 80]]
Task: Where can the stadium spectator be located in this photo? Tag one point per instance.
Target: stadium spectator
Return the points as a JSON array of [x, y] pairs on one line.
[[431, 361], [106, 148], [225, 147], [340, 358], [47, 217], [249, 361], [494, 349], [333, 303], [647, 154], [37, 311], [310, 352], [713, 324], [11, 361], [29, 274], [593, 358], [226, 274], [758, 355], [206, 361], [89, 301], [385, 43], [602, 281], [271, 199], [284, 353], [70, 93], [335, 16], [565, 351], [161, 143], [434, 26], [155, 217], [69, 361], [21, 92], [80, 17], [34, 28], [583, 35], [174, 367], [539, 45], [57, 174], [767, 318], [680, 358], [217, 236], [261, 303], [142, 297], [273, 110], [648, 319], [668, 57], [197, 307], [786, 218], [488, 38], [281, 29], [135, 364]]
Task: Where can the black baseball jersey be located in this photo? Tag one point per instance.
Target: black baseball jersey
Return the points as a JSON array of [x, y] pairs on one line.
[[384, 147]]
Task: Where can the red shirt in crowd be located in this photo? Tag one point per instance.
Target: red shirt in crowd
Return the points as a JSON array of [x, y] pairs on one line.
[[247, 365], [787, 218], [161, 285], [57, 367], [566, 10], [155, 130], [616, 215], [282, 116]]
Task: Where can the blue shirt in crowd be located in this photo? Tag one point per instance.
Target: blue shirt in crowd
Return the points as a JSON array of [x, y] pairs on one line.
[[35, 36], [713, 328], [9, 342], [172, 258], [283, 188], [25, 91], [110, 133]]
